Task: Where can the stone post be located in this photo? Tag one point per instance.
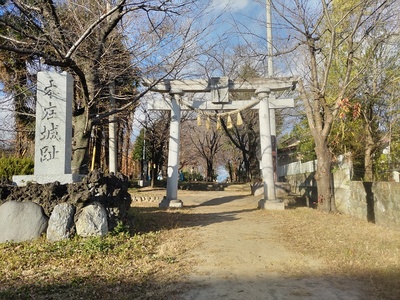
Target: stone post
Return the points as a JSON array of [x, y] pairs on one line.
[[267, 166], [171, 200]]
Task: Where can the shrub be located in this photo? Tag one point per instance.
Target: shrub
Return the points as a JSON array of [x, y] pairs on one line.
[[10, 166], [192, 176]]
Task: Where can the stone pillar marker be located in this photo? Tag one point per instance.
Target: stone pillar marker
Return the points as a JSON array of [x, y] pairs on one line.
[[53, 123], [53, 134]]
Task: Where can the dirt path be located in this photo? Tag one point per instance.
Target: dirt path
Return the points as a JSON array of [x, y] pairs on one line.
[[240, 257]]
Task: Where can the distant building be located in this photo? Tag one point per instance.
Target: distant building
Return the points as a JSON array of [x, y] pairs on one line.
[[288, 154]]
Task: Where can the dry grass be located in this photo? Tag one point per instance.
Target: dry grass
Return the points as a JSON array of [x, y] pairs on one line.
[[348, 247], [143, 265], [150, 262]]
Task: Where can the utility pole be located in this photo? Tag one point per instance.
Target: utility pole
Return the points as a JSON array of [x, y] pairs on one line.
[[270, 74], [269, 38]]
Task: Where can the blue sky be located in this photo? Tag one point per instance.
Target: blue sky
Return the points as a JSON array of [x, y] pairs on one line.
[[243, 22], [247, 11], [234, 5]]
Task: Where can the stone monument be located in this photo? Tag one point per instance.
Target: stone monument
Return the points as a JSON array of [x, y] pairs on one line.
[[53, 134]]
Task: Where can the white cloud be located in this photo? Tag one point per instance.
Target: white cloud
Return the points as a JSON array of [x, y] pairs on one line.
[[232, 5]]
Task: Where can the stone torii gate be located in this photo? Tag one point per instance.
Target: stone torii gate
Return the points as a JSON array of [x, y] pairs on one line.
[[219, 87]]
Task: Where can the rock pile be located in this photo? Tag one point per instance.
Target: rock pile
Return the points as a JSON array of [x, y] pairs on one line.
[[146, 199], [93, 206]]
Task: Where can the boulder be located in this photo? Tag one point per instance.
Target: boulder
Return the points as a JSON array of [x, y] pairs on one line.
[[21, 221], [92, 221], [282, 189], [61, 222], [257, 189]]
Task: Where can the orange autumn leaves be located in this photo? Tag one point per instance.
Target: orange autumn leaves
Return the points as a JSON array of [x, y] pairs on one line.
[[347, 108]]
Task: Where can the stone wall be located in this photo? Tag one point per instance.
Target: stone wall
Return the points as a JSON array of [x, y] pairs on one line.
[[376, 202], [303, 184], [91, 207]]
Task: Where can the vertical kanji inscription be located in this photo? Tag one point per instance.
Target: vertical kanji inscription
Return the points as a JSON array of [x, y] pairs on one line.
[[53, 123]]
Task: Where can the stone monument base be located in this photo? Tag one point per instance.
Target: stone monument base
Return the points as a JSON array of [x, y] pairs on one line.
[[271, 204], [170, 204], [23, 180]]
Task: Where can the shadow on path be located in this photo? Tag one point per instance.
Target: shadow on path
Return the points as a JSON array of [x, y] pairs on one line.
[[193, 214], [222, 200], [147, 219]]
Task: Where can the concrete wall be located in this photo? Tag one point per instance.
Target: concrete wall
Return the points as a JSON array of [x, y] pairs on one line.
[[377, 202]]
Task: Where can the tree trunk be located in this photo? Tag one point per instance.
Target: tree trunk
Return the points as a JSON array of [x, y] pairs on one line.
[[210, 173], [254, 168], [368, 172], [323, 176], [80, 145], [99, 149], [126, 157], [244, 176], [368, 152], [230, 171], [152, 175], [24, 146]]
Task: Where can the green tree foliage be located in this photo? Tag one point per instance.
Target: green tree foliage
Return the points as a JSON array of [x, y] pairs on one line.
[[367, 119], [154, 137], [305, 151], [10, 166], [138, 146]]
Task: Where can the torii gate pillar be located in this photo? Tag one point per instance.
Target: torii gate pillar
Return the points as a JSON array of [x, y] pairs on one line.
[[267, 166], [171, 199]]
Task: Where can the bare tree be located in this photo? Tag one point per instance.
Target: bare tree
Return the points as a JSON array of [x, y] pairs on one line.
[[202, 141], [86, 39], [330, 37], [16, 82], [157, 133], [237, 62]]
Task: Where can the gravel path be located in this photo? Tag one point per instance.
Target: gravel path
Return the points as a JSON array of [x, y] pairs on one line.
[[240, 257]]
